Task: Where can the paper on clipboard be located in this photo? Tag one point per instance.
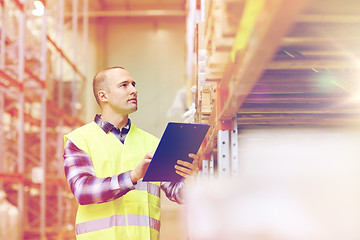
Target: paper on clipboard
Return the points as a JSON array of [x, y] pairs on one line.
[[178, 140]]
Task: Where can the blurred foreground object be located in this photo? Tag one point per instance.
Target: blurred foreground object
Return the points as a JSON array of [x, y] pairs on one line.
[[293, 184]]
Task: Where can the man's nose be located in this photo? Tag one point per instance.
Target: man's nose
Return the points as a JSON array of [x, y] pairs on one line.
[[133, 90]]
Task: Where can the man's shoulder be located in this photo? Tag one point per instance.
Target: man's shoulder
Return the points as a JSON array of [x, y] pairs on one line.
[[84, 129]]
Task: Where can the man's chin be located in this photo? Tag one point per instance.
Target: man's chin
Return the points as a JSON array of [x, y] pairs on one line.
[[132, 110]]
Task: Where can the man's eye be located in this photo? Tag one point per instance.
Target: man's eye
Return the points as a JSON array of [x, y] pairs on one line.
[[133, 84], [123, 85]]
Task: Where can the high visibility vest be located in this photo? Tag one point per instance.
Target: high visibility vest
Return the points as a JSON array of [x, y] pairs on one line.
[[135, 215]]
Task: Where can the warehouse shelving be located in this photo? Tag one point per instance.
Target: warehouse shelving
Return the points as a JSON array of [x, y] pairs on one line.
[[34, 117], [276, 63]]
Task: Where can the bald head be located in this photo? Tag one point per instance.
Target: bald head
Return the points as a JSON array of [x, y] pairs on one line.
[[99, 82]]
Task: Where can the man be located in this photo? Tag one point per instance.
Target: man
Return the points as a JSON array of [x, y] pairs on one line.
[[105, 161]]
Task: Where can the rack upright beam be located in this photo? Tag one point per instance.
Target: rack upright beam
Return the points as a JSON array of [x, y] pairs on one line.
[[43, 126], [60, 105], [3, 34], [74, 86], [21, 102]]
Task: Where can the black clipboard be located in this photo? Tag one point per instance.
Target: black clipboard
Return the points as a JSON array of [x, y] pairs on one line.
[[177, 141]]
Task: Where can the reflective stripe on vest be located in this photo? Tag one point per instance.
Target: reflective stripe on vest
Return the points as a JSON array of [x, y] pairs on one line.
[[116, 220], [149, 187]]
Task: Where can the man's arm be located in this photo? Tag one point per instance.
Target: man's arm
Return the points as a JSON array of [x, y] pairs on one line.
[[175, 191], [86, 187]]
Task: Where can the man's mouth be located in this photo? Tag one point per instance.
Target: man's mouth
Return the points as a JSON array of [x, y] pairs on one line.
[[133, 100]]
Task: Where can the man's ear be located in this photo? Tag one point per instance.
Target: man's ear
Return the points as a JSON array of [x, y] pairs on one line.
[[102, 96]]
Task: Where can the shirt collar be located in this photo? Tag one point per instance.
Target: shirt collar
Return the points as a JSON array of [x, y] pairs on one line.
[[106, 126]]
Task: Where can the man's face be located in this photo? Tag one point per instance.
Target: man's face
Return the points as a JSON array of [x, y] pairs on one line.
[[121, 91]]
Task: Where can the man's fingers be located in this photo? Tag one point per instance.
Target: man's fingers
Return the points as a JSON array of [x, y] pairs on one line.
[[149, 155], [181, 173], [186, 172], [182, 169], [186, 169], [196, 159], [189, 164], [184, 163], [194, 156]]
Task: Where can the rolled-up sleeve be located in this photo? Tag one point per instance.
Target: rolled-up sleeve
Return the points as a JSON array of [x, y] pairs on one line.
[[174, 191]]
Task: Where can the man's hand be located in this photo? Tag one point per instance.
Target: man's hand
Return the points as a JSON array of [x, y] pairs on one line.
[[139, 172], [186, 169]]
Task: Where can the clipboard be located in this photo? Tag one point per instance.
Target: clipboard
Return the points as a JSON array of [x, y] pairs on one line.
[[177, 141]]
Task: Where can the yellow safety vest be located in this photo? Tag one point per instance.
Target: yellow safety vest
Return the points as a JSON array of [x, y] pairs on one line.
[[136, 215]]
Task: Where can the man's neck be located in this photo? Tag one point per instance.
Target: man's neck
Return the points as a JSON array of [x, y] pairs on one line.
[[117, 120]]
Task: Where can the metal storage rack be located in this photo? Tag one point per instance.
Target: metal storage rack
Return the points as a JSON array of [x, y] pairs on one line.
[[274, 63], [34, 71]]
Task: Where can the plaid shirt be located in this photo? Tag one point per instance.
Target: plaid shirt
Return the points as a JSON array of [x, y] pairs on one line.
[[89, 189]]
